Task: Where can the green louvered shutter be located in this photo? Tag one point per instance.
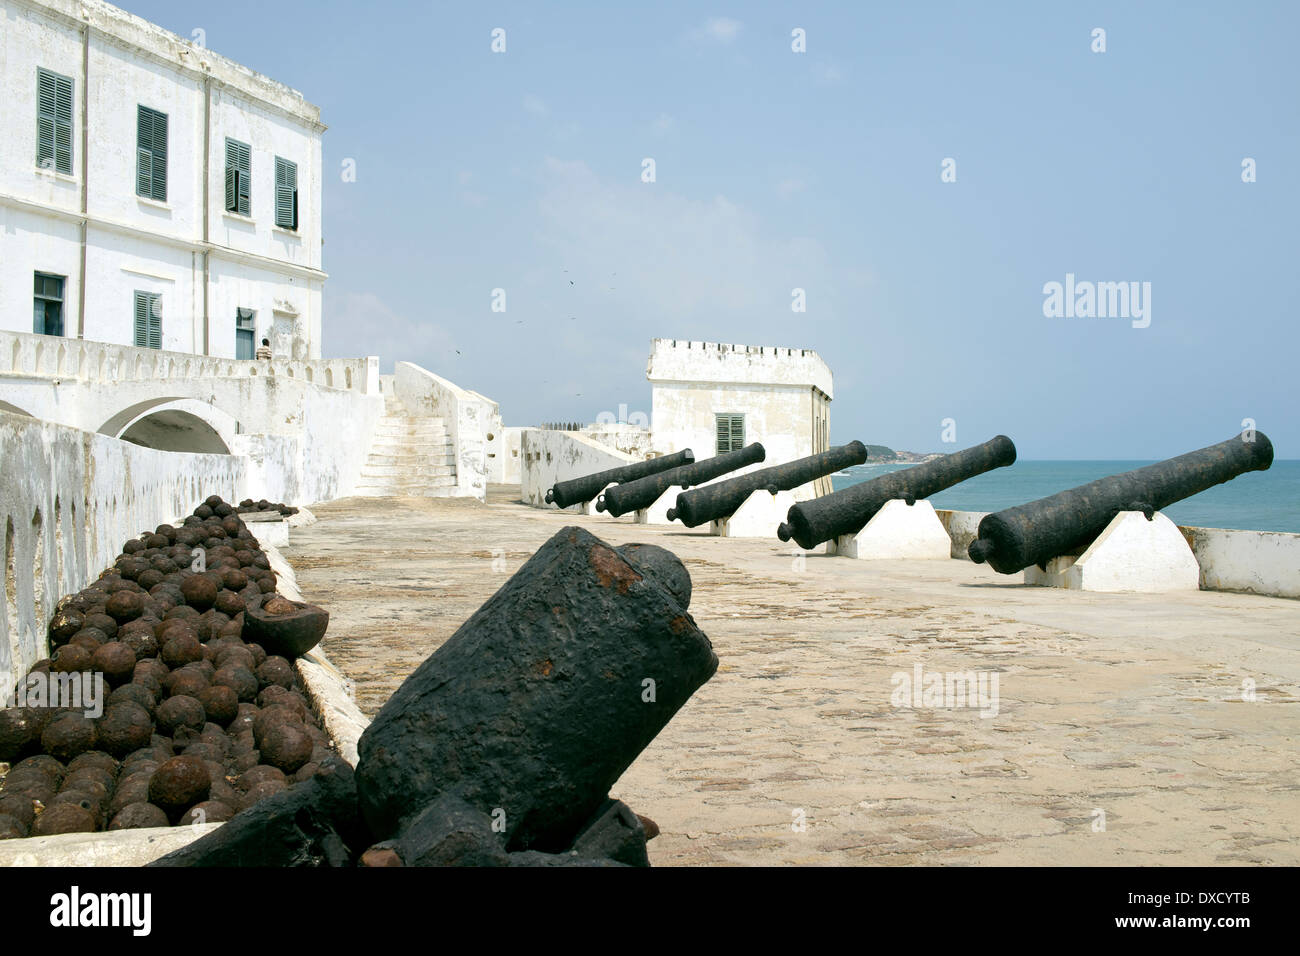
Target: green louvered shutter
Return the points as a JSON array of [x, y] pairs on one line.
[[142, 320], [730, 432], [239, 193], [54, 121], [286, 194], [148, 320], [155, 321], [158, 183], [63, 126]]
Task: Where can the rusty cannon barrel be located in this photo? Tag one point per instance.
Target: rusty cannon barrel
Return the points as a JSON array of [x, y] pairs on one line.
[[721, 499], [629, 496], [848, 511], [577, 490], [1067, 521]]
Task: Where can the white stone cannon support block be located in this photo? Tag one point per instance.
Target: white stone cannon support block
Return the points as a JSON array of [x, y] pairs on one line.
[[758, 517], [657, 513], [1132, 554], [898, 531]]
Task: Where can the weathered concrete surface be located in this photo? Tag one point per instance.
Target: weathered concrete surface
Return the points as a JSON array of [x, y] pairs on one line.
[[1127, 704]]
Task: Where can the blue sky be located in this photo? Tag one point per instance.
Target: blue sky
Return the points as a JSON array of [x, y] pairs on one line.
[[818, 170]]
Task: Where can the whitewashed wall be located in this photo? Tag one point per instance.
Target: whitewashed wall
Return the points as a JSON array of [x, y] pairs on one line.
[[551, 456], [68, 502]]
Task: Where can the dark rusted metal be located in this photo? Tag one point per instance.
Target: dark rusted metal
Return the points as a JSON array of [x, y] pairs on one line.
[[848, 511], [1063, 523], [517, 715], [721, 499], [631, 495], [577, 490]]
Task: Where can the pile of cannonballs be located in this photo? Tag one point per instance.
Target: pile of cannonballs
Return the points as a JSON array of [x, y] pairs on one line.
[[197, 724], [248, 504]]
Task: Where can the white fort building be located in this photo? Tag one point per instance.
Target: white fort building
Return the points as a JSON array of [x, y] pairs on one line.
[[153, 193]]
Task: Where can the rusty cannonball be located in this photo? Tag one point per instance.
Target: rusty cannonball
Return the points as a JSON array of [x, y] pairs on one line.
[[259, 655], [150, 578], [209, 811], [70, 659], [11, 828], [65, 818], [286, 745], [260, 773], [182, 649], [69, 734], [102, 622], [89, 638], [229, 602], [117, 662], [141, 641], [180, 711], [20, 807], [64, 624], [200, 591], [236, 655], [260, 792], [136, 694], [233, 578], [270, 715], [139, 816], [220, 703], [188, 683], [179, 784], [151, 667], [20, 733], [276, 670], [96, 759], [43, 764], [123, 606], [245, 760], [239, 679], [134, 789], [243, 722], [124, 728]]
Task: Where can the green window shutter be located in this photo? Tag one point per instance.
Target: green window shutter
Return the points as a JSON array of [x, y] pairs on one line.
[[53, 121], [238, 177], [159, 184], [730, 432], [155, 322], [151, 153], [63, 125], [737, 432], [286, 194], [141, 319]]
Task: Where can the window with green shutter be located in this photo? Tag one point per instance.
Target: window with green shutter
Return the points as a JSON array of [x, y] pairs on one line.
[[148, 320], [151, 154], [286, 194], [54, 121], [731, 432], [239, 177]]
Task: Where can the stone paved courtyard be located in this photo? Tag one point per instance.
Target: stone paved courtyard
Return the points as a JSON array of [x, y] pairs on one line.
[[1129, 706]]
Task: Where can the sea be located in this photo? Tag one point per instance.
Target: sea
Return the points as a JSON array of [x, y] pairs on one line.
[[1256, 501]]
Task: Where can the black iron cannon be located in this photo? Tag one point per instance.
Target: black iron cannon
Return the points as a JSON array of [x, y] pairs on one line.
[[721, 499], [631, 495], [578, 490], [501, 747], [848, 511], [1068, 521]]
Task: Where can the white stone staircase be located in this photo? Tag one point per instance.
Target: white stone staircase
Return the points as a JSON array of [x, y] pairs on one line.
[[412, 455]]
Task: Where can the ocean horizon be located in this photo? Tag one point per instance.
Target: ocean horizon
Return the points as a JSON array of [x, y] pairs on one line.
[[1256, 501]]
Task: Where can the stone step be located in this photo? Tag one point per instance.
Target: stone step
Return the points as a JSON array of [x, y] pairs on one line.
[[402, 426], [398, 470], [400, 460]]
